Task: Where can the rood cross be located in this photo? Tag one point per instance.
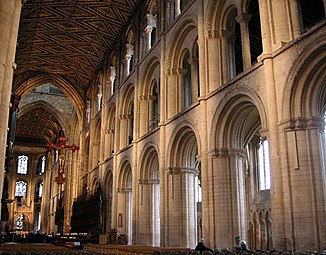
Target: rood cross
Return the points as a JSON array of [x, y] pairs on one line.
[[62, 146]]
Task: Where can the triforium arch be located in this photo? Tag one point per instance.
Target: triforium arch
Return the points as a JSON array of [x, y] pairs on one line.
[[124, 200], [95, 148], [110, 131], [178, 68], [149, 96], [127, 116], [304, 99], [238, 129], [182, 187], [234, 33], [147, 228]]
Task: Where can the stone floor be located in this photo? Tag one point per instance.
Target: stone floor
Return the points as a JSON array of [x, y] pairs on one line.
[[34, 249]]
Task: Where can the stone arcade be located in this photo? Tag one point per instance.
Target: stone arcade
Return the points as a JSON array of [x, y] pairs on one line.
[[195, 119]]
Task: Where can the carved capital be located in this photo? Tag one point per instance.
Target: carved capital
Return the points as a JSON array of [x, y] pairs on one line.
[[243, 18]]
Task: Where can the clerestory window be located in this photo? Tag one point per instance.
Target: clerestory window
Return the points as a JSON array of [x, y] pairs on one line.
[[22, 165]]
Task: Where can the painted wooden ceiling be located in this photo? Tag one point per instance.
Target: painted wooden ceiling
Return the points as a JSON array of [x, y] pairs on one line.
[[69, 38]]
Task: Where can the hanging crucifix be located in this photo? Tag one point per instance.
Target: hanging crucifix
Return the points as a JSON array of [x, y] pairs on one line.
[[62, 146]]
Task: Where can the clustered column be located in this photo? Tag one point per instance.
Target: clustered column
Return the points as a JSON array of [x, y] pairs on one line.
[[9, 16]]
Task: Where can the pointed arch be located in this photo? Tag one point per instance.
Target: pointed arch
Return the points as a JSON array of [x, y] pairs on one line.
[[49, 108], [59, 82]]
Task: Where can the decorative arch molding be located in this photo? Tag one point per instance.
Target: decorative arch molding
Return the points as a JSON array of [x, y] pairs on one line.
[[305, 90], [107, 175], [148, 155], [147, 75], [110, 115], [237, 107], [42, 104], [178, 37], [225, 20], [182, 139], [95, 183], [98, 130], [217, 13], [57, 81]]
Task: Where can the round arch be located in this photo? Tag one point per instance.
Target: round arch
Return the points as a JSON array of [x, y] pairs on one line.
[[217, 14], [149, 74], [126, 100], [185, 137], [125, 174], [110, 116], [148, 160], [304, 94], [177, 40], [241, 108]]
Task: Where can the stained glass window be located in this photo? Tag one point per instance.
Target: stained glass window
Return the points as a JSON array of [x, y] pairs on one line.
[[20, 222], [21, 189], [22, 164]]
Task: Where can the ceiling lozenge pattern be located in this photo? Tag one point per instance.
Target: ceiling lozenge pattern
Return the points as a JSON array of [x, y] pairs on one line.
[[69, 38]]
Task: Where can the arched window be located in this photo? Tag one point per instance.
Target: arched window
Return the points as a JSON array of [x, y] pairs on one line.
[[198, 197], [111, 130], [21, 192], [131, 123], [263, 166], [99, 97], [20, 222], [197, 69], [234, 43], [311, 12], [181, 6], [41, 165], [151, 25], [22, 165], [39, 192], [155, 106], [129, 53], [21, 188], [187, 83], [256, 47]]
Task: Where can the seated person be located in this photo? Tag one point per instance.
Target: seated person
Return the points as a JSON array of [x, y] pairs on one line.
[[241, 244], [201, 247]]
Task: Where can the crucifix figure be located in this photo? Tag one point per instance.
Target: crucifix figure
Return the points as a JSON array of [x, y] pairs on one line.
[[62, 146]]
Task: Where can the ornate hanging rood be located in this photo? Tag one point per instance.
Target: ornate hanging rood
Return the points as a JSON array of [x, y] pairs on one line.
[[62, 146]]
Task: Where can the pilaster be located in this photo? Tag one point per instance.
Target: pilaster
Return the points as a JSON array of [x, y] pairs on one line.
[[305, 203]]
